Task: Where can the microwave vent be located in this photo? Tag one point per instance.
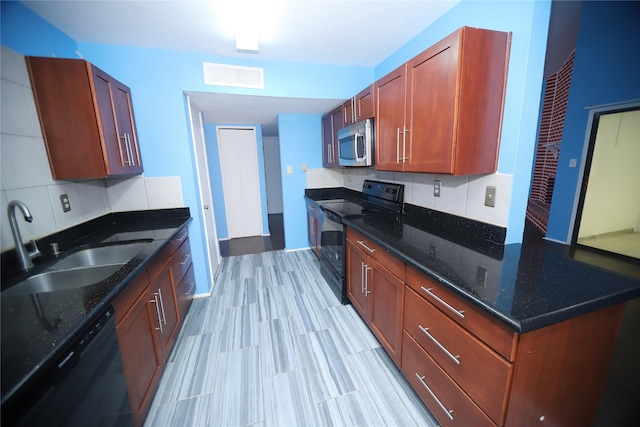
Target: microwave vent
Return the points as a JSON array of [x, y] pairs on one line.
[[233, 75]]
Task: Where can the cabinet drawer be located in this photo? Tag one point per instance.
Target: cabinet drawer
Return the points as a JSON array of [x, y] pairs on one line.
[[446, 401], [374, 250], [125, 300], [477, 369], [177, 241], [491, 332], [184, 292], [159, 262], [180, 262]]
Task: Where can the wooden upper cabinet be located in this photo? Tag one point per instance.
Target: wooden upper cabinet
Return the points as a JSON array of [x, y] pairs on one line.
[[86, 118], [360, 107], [331, 123], [454, 95], [389, 126]]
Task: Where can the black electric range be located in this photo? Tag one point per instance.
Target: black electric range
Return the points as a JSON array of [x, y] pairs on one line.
[[377, 198]]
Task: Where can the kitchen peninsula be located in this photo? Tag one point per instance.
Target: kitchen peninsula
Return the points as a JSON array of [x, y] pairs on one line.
[[486, 332]]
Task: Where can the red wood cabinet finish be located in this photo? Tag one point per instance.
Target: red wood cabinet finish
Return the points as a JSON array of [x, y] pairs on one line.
[[149, 314], [314, 219], [441, 112], [375, 286], [331, 123], [86, 118], [359, 107]]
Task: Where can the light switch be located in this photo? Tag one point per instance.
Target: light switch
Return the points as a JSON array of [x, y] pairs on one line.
[[490, 196], [289, 170], [304, 167]]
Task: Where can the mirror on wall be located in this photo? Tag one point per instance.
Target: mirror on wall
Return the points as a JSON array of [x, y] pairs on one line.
[[608, 215]]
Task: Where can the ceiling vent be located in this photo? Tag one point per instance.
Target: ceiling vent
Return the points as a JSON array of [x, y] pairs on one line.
[[233, 75]]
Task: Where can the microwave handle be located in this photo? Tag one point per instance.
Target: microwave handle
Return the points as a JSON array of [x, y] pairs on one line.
[[355, 147]]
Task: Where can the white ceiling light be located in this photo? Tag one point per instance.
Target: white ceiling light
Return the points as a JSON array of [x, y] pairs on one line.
[[249, 21]]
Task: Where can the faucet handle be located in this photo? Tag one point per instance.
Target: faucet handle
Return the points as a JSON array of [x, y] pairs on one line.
[[35, 252]]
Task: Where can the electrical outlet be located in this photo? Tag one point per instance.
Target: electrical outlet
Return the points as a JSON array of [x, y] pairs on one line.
[[66, 206], [490, 197], [436, 188], [304, 167]]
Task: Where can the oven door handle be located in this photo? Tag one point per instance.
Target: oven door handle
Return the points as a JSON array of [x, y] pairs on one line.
[[331, 216]]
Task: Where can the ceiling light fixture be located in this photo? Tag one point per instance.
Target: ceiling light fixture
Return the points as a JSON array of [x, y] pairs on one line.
[[249, 21]]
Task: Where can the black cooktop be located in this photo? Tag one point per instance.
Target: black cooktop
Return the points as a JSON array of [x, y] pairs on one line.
[[377, 197]]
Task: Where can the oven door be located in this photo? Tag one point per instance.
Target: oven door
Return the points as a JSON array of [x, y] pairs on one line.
[[332, 253]]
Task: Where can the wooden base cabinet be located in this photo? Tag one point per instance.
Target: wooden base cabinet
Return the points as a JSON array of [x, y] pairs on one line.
[[86, 118], [469, 369], [149, 314], [375, 286], [314, 227]]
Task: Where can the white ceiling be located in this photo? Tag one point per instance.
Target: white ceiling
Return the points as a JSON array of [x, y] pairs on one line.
[[335, 32]]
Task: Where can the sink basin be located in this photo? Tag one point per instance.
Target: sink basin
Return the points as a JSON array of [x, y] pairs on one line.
[[101, 256], [50, 281]]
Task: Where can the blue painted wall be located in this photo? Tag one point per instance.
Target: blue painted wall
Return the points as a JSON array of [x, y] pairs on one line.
[[215, 176], [606, 70], [300, 142]]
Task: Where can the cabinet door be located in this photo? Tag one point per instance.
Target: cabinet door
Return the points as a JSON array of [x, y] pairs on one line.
[[387, 293], [364, 104], [112, 145], [126, 126], [327, 141], [164, 299], [356, 275], [312, 229], [390, 120], [431, 105], [141, 357]]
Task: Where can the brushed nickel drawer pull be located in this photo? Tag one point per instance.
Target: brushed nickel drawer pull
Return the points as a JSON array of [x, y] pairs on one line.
[[459, 313], [366, 280], [361, 243], [362, 278], [184, 236], [157, 303], [191, 285], [440, 346], [186, 258], [444, 408]]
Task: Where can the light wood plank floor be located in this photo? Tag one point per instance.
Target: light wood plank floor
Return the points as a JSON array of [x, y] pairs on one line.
[[273, 347]]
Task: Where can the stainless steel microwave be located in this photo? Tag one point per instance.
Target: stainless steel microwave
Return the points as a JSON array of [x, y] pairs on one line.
[[355, 144]]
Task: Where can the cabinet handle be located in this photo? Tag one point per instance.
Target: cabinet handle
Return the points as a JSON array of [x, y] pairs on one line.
[[362, 277], [361, 243], [354, 113], [398, 146], [404, 144], [184, 236], [157, 303], [459, 313], [366, 280], [444, 408], [191, 285], [440, 346], [164, 317], [127, 146], [186, 258]]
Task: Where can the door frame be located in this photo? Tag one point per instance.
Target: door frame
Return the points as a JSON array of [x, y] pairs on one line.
[[585, 162], [199, 154]]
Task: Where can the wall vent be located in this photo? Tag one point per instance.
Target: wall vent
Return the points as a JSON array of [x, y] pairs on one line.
[[233, 75]]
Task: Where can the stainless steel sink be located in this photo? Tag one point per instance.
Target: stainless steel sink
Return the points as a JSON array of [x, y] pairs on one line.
[[64, 279], [101, 256]]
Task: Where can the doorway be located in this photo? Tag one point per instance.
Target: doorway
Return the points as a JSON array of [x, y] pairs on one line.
[[608, 212]]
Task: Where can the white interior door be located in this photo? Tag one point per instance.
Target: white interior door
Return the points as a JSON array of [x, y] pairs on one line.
[[204, 186], [238, 149]]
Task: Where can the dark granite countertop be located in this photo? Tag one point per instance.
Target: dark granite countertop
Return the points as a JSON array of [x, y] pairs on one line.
[[525, 286], [37, 328]]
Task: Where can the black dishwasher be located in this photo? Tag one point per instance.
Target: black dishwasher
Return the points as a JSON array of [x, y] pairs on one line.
[[84, 387]]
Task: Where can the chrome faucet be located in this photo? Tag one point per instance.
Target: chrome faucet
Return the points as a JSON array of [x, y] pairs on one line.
[[24, 256]]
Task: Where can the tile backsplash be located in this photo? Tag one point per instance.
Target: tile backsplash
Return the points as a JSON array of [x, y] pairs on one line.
[[459, 195], [25, 174]]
